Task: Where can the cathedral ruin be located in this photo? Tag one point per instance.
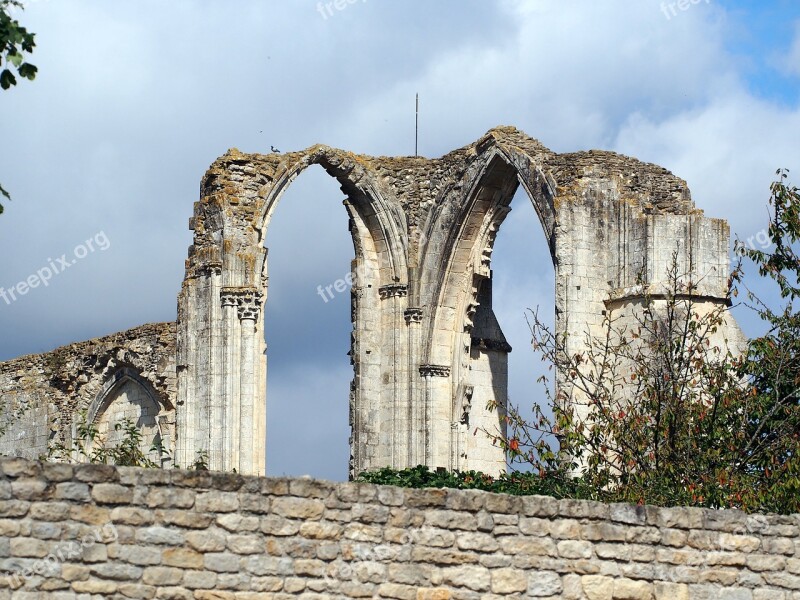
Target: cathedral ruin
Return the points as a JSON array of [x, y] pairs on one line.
[[428, 353]]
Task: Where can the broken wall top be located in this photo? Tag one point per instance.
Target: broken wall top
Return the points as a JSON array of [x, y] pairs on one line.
[[235, 188]]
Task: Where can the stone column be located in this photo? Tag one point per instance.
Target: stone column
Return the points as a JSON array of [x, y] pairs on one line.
[[199, 372], [216, 422], [236, 438], [393, 303], [250, 446], [437, 418], [231, 368], [415, 440], [185, 374]]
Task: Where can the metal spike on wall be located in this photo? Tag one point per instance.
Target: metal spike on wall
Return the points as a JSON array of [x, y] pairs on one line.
[[416, 131]]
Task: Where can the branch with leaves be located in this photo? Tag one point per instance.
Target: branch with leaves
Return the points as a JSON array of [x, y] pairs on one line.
[[658, 409], [16, 42]]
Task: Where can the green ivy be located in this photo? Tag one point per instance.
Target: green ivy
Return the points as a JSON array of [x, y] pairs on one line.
[[515, 483]]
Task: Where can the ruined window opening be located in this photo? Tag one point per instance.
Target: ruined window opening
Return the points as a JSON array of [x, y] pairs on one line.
[[310, 253], [523, 278], [127, 395]]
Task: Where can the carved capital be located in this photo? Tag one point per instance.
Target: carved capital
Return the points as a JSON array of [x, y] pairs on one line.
[[394, 290], [228, 298], [249, 310], [248, 302], [210, 269], [413, 315], [434, 371]]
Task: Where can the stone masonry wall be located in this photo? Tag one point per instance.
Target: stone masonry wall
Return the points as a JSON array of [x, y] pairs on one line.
[[41, 395], [97, 532]]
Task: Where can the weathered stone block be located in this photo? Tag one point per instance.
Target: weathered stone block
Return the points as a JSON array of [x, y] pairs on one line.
[[111, 493], [298, 508], [509, 581]]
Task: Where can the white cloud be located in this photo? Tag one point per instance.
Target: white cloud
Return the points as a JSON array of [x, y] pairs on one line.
[[791, 62], [568, 77], [728, 151]]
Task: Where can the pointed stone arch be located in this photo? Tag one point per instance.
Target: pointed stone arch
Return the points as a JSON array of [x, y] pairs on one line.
[[128, 395], [463, 334], [423, 232], [223, 361]]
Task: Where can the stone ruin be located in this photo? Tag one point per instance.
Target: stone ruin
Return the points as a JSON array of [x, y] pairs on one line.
[[427, 351]]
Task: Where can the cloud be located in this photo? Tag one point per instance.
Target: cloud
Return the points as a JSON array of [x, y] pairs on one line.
[[568, 77], [728, 151], [307, 428], [791, 63]]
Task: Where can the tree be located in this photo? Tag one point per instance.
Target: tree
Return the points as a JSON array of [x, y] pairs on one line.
[[773, 359], [658, 409], [15, 43]]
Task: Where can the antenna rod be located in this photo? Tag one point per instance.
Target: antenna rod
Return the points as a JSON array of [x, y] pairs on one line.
[[416, 131]]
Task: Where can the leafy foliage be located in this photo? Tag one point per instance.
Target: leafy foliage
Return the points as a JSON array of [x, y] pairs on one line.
[[4, 193], [515, 483], [650, 412], [201, 461], [773, 360], [90, 446], [661, 409], [15, 43]]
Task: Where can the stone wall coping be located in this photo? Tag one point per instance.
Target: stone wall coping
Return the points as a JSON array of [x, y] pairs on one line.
[[724, 520]]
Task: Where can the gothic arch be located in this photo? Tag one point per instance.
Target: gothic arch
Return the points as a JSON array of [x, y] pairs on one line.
[[380, 264], [462, 295], [365, 201], [128, 395], [423, 230], [228, 261]]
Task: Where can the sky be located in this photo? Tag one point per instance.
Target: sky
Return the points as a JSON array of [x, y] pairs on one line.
[[104, 152]]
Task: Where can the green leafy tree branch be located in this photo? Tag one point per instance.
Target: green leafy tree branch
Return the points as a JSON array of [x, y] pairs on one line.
[[16, 42]]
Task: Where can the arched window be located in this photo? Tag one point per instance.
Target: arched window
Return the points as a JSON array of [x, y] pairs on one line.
[[128, 398], [308, 328], [523, 278]]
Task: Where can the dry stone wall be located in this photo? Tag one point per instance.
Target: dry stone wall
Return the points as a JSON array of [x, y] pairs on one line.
[[92, 532]]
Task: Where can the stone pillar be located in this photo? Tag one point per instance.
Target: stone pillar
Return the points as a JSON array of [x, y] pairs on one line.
[[231, 366], [393, 304], [236, 437], [184, 375], [260, 408], [250, 446], [216, 421], [199, 372], [437, 417], [415, 441]]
